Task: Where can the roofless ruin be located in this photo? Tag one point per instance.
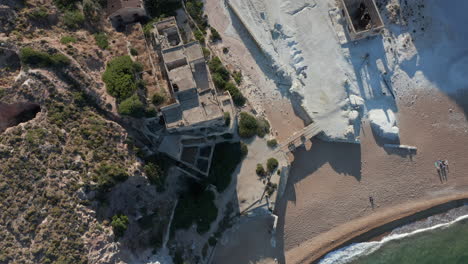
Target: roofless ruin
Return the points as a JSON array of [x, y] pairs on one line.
[[363, 18]]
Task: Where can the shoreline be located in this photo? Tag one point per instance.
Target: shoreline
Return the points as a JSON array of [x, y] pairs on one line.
[[383, 223]]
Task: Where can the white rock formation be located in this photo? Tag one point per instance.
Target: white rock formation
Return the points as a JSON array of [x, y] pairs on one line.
[[384, 123], [338, 80]]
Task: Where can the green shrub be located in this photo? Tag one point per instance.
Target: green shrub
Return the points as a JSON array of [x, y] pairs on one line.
[[236, 94], [215, 36], [247, 125], [218, 81], [227, 118], [272, 164], [39, 13], [237, 75], [272, 143], [120, 77], [270, 188], [2, 92], [119, 224], [132, 106], [244, 149], [226, 158], [195, 9], [260, 170], [107, 175], [91, 10], [101, 40], [216, 66], [206, 53], [36, 58], [67, 39], [263, 127], [155, 175], [158, 99], [220, 76], [133, 52], [199, 36], [150, 111], [59, 113], [73, 19]]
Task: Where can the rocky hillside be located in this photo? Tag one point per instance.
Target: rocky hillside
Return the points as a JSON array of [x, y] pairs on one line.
[[72, 188]]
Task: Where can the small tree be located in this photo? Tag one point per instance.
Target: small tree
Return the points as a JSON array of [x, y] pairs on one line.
[[120, 77], [67, 39], [244, 149], [108, 175], [132, 107], [247, 125], [101, 40], [272, 165], [237, 75], [199, 36], [158, 99], [272, 143], [119, 224], [263, 127], [260, 170], [237, 96], [155, 175], [133, 51], [73, 19], [215, 36], [91, 10]]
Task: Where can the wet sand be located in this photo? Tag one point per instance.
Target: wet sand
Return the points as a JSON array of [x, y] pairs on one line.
[[330, 185]]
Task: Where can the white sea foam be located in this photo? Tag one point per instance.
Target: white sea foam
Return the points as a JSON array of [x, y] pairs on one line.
[[354, 251]]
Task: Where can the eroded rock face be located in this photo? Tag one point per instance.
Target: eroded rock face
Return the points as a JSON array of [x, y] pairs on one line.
[[9, 60], [7, 19], [14, 114]]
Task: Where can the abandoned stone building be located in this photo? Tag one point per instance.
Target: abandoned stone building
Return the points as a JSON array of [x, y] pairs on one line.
[[362, 17], [197, 105], [125, 11]]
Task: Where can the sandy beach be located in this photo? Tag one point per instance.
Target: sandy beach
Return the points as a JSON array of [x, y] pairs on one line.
[[330, 184], [326, 202]]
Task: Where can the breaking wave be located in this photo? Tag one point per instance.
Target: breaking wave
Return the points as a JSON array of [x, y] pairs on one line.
[[356, 250]]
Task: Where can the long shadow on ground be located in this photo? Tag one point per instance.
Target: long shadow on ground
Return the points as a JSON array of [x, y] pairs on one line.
[[344, 158]]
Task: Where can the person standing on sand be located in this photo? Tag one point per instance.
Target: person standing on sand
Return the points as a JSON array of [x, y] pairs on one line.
[[437, 165], [371, 200], [446, 165]]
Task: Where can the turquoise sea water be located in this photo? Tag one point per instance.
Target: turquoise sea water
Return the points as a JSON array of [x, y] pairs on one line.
[[442, 245], [439, 239]]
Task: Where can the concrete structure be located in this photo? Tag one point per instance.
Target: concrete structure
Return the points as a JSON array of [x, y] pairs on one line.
[[363, 18], [125, 11], [167, 33], [196, 106]]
